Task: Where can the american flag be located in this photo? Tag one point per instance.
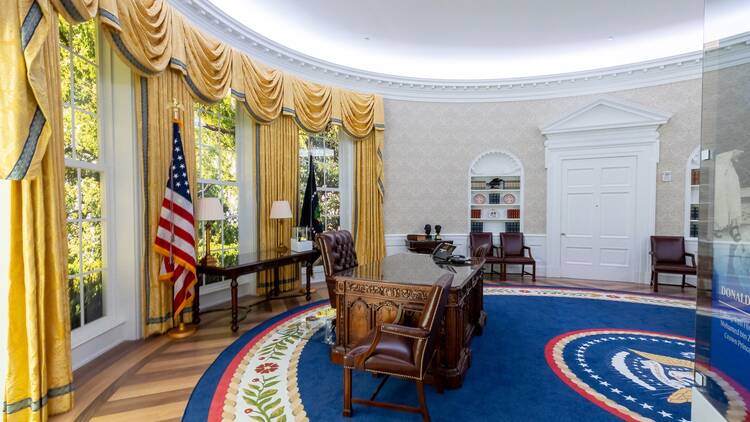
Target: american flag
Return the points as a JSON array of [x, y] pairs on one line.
[[175, 238]]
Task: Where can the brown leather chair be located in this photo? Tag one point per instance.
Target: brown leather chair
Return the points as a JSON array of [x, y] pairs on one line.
[[668, 256], [512, 251], [401, 351], [337, 251], [480, 245]]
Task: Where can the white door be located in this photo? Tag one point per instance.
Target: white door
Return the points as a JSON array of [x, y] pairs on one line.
[[597, 236]]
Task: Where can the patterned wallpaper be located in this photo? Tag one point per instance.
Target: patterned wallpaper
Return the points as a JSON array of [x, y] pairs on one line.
[[430, 146]]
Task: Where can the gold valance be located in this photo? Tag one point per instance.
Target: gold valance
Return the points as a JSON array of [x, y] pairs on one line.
[[151, 36]]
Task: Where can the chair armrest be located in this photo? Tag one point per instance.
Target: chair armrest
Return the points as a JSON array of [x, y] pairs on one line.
[[692, 257], [500, 252], [404, 331], [529, 249]]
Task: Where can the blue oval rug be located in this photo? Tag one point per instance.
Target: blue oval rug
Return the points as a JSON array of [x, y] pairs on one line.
[[546, 354]]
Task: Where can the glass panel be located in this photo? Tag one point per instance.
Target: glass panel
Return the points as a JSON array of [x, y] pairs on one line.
[[230, 200], [214, 228], [723, 317], [230, 256], [231, 233], [86, 137], [209, 163], [84, 78], [84, 40], [68, 132], [91, 194], [92, 245], [330, 206], [71, 193], [65, 75], [228, 161], [93, 297], [74, 295], [74, 248], [64, 31]]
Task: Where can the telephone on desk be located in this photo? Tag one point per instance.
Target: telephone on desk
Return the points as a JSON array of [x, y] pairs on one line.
[[443, 254]]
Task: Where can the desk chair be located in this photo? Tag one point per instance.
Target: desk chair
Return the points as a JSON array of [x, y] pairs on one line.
[[338, 253], [401, 351]]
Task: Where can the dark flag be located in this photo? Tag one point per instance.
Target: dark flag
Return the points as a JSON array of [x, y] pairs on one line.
[[310, 204]]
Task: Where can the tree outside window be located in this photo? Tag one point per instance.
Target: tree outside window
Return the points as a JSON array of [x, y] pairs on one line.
[[325, 151], [216, 151], [84, 172]]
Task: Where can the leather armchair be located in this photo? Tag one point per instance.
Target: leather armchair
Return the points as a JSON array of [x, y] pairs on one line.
[[400, 351], [480, 245], [338, 253], [513, 251], [668, 256]]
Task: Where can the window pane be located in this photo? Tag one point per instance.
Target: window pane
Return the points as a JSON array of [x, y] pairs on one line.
[[230, 256], [65, 75], [74, 295], [228, 165], [68, 131], [92, 246], [93, 298], [84, 40], [84, 79], [209, 164], [230, 200], [91, 194], [330, 205], [71, 193], [64, 30], [214, 228], [74, 249], [231, 233], [86, 137]]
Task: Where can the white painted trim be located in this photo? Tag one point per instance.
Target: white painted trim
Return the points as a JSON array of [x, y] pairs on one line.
[[395, 243], [627, 137], [123, 218], [206, 16]]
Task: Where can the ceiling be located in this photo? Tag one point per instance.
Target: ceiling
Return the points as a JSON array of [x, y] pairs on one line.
[[477, 39]]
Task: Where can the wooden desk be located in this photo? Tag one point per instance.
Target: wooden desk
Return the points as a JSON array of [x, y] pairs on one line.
[[254, 262], [372, 294]]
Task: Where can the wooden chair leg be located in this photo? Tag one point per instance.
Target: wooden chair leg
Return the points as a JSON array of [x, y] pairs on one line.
[[683, 281], [347, 392], [533, 272], [422, 402], [651, 282], [656, 281], [523, 271]]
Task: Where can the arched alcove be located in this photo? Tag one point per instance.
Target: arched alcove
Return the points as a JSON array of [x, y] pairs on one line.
[[496, 193]]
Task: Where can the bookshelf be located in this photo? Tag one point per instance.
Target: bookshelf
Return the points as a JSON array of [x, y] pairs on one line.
[[496, 193], [692, 188]]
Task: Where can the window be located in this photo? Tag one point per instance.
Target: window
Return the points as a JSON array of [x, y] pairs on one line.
[[84, 173], [216, 151], [325, 150]]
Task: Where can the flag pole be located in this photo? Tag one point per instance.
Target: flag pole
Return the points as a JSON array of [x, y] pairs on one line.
[[183, 329]]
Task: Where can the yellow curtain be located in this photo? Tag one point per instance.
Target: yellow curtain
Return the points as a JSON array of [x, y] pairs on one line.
[[369, 234], [154, 122], [260, 88], [278, 169], [37, 352], [205, 61]]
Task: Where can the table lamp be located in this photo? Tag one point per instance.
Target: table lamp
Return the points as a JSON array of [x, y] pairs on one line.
[[209, 209], [280, 210]]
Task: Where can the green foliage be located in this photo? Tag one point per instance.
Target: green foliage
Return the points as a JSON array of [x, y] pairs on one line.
[[83, 187]]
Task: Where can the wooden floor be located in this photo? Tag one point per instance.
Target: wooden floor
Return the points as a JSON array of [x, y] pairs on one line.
[[151, 380]]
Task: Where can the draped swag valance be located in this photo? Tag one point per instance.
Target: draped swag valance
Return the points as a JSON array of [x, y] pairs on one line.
[[153, 37]]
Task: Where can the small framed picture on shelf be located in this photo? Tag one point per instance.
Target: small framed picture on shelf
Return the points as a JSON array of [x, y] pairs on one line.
[[493, 213]]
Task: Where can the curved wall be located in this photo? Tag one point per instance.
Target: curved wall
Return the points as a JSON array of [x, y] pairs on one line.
[[429, 147]]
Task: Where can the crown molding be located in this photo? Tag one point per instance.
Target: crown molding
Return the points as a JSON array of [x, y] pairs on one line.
[[209, 18]]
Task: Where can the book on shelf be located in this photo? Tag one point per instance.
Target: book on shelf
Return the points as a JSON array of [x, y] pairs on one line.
[[694, 213], [514, 213], [478, 184], [494, 198], [694, 229], [476, 213], [695, 176], [512, 184], [477, 226], [512, 227]]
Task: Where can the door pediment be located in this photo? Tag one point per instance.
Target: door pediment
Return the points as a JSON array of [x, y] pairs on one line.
[[607, 113]]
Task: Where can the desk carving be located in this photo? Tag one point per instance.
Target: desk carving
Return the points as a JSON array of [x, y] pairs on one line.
[[367, 298]]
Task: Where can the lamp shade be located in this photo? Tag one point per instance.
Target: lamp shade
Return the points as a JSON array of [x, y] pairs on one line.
[[210, 209], [280, 210]]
